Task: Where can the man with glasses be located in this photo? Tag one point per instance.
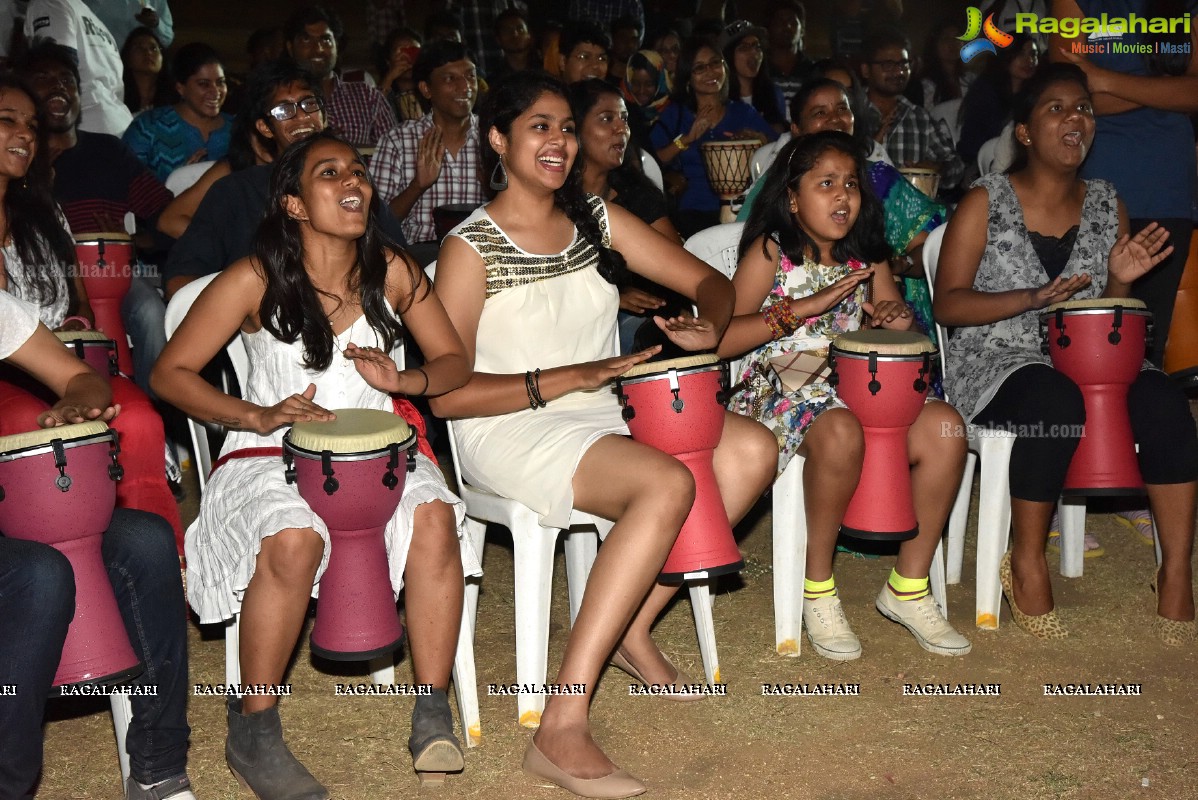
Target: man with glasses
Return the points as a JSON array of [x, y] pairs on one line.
[[356, 110], [908, 132], [286, 106], [433, 161], [583, 52]]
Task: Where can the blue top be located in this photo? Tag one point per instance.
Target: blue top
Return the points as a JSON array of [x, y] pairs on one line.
[[1147, 153], [164, 141], [677, 119]]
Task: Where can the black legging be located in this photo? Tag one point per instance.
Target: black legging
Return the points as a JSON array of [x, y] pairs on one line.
[[1046, 412]]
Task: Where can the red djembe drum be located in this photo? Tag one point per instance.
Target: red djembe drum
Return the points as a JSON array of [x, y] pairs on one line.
[[93, 347], [1100, 344], [882, 376], [58, 487], [106, 264], [352, 472], [677, 406], [729, 167]]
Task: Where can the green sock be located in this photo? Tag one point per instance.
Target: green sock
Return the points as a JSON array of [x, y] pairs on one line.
[[907, 588], [814, 590]]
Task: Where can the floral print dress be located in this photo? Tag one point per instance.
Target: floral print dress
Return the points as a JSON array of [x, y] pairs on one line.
[[790, 414]]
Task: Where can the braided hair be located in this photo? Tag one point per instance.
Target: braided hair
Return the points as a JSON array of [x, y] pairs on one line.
[[508, 99]]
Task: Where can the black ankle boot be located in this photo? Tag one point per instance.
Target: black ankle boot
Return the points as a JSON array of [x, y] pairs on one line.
[[433, 745], [260, 760]]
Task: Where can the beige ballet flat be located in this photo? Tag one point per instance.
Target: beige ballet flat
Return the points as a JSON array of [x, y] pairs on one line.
[[612, 786]]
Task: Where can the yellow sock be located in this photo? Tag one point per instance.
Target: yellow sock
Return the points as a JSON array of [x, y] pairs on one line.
[[814, 590], [907, 588]]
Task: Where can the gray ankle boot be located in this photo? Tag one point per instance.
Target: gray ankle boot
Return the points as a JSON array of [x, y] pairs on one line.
[[260, 760], [433, 745]]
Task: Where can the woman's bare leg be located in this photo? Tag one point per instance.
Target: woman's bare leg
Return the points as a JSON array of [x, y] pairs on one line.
[[433, 593], [936, 446]]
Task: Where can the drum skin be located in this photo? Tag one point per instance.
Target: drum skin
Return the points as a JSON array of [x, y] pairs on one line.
[[35, 508], [106, 263], [705, 545], [1104, 366], [356, 618], [882, 507]]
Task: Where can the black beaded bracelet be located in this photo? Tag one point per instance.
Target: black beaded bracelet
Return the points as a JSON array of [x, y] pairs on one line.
[[532, 400], [536, 388]]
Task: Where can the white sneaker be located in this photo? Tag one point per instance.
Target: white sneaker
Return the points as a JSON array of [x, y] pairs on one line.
[[923, 618], [829, 630]]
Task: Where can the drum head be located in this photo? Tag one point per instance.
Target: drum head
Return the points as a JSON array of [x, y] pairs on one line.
[[1097, 304], [11, 445], [106, 236], [686, 362], [356, 430], [919, 172], [877, 340], [86, 336]]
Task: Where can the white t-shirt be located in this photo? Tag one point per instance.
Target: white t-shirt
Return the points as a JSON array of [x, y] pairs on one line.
[[18, 321], [72, 24]]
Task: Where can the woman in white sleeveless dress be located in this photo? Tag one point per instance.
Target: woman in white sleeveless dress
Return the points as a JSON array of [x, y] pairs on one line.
[[256, 548], [529, 282]]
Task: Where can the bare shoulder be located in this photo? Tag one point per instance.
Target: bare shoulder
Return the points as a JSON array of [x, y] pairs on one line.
[[404, 275]]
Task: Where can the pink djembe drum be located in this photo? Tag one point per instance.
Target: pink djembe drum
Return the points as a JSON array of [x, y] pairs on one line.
[[93, 347], [677, 406], [352, 472], [106, 263], [58, 487], [1100, 344], [729, 168], [882, 376]]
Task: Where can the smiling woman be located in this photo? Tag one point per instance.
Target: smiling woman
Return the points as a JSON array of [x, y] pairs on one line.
[[193, 129]]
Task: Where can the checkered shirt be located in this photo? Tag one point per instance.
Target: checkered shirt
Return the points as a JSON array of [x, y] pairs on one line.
[[384, 16], [478, 28], [605, 12], [358, 111], [917, 136], [394, 168]]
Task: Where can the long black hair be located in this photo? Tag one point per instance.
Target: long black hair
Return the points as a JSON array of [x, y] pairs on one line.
[[762, 94], [291, 306], [164, 87], [508, 99], [42, 243], [771, 217], [1029, 96]]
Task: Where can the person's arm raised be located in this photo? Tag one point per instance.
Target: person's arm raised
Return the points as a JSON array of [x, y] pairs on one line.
[[461, 287]]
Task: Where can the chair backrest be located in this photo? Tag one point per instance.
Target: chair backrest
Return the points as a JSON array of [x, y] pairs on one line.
[[931, 259], [182, 178], [986, 155], [717, 246], [177, 309], [652, 171], [949, 112], [765, 156]]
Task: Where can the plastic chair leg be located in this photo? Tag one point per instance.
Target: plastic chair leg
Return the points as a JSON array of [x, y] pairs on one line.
[[936, 579], [1072, 512], [476, 532], [790, 558], [701, 592], [533, 556], [465, 682], [958, 519], [994, 526], [122, 715], [233, 651], [382, 670], [581, 547]]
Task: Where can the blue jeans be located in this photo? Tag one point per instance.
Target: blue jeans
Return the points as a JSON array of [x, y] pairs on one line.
[[144, 315], [37, 601]]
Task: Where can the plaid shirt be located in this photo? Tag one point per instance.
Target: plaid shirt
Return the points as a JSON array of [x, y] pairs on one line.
[[358, 111], [916, 136], [605, 12], [478, 28], [384, 16], [394, 168]]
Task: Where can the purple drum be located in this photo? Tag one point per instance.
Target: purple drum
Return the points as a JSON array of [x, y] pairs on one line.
[[352, 472], [58, 487], [93, 347]]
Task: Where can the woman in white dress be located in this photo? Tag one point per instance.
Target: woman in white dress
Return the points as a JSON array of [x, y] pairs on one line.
[[256, 549], [530, 283]]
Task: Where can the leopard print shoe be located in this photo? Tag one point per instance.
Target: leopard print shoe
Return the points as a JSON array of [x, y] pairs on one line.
[[1042, 626]]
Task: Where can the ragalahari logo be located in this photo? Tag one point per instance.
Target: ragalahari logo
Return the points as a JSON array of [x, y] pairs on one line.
[[974, 26]]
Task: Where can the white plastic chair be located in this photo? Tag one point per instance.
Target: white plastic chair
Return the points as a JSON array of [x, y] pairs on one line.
[[382, 670], [949, 113], [766, 154], [986, 156], [718, 247], [182, 178], [993, 449], [652, 170]]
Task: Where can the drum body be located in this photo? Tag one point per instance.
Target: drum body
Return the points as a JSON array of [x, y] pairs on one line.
[[882, 376], [351, 472], [1100, 344], [106, 263], [729, 167], [93, 347], [677, 406], [923, 179], [59, 488]]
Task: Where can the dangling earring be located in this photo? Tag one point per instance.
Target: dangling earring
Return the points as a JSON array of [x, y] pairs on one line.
[[499, 176]]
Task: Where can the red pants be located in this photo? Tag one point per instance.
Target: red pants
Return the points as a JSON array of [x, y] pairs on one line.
[[143, 443]]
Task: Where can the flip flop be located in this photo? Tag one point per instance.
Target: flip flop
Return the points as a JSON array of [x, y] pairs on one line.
[[1138, 521]]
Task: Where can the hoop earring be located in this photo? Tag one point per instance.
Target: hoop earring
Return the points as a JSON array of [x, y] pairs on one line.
[[499, 176]]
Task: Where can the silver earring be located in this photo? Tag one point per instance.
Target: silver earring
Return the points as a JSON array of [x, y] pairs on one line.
[[499, 176]]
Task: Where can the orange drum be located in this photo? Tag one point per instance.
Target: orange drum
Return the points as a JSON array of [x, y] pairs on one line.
[[106, 263], [729, 167]]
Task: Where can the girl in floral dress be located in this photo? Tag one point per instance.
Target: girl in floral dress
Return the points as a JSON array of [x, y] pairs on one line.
[[811, 247]]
